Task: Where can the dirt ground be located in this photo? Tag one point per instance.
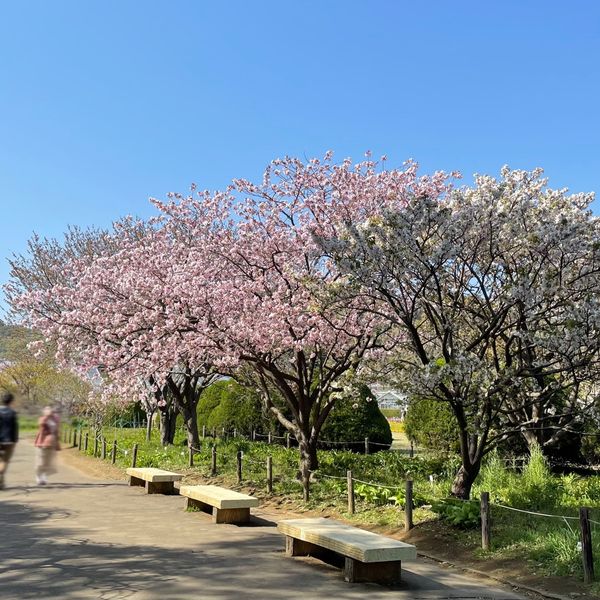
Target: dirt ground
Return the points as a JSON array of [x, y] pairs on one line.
[[431, 539]]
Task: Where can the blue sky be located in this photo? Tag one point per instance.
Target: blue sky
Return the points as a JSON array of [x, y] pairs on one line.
[[105, 103]]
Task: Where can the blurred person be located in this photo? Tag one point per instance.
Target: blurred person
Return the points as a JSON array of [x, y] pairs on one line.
[[46, 443], [9, 433]]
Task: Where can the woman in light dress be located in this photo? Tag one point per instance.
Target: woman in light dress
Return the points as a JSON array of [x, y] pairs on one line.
[[46, 443]]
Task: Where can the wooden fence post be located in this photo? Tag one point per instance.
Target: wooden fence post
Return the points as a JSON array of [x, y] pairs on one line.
[[350, 492], [412, 450], [239, 465], [366, 445], [485, 520], [269, 474], [269, 438], [134, 455], [113, 458], [74, 443], [190, 456], [408, 505], [103, 448], [95, 445], [213, 466], [586, 545], [85, 444], [80, 439]]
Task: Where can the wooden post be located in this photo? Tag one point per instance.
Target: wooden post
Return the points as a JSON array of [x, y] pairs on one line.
[[239, 466], [113, 458], [213, 466], [190, 456], [366, 445], [74, 444], [408, 505], [80, 444], [85, 444], [270, 474], [269, 438], [95, 445], [485, 520], [134, 455], [350, 492], [203, 432], [586, 545], [412, 450], [254, 435], [103, 448], [287, 440]]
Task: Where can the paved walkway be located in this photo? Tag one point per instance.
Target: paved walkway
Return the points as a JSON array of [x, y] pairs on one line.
[[83, 538]]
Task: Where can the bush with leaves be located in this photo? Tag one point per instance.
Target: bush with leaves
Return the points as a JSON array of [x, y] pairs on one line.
[[229, 405], [464, 514], [354, 419], [432, 425]]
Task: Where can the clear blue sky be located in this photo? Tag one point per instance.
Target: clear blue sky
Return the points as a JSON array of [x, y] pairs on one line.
[[104, 103]]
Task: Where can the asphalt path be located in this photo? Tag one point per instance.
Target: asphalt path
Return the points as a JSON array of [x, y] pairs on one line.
[[80, 538]]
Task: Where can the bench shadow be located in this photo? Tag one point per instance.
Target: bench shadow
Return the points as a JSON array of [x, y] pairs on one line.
[[256, 521]]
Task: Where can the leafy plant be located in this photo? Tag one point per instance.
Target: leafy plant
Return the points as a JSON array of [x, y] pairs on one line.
[[459, 513]]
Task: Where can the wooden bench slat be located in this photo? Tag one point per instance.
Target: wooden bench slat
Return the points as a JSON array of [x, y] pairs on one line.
[[218, 497], [365, 546]]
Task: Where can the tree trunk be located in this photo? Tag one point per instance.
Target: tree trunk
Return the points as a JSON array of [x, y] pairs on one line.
[[463, 482], [191, 424], [168, 419], [308, 463], [149, 416]]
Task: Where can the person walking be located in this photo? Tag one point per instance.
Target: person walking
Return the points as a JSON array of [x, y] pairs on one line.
[[9, 433], [46, 443]]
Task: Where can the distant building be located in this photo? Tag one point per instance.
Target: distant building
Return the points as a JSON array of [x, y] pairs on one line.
[[389, 398]]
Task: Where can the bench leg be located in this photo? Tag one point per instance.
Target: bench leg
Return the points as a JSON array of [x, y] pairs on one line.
[[295, 547], [378, 572], [231, 515], [191, 503], [136, 481], [160, 487]]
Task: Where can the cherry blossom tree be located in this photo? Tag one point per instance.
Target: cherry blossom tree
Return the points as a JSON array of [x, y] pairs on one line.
[[110, 309], [262, 294], [495, 288]]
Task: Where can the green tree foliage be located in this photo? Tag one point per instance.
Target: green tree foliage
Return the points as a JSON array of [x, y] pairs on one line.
[[432, 424], [354, 419], [228, 404], [36, 380]]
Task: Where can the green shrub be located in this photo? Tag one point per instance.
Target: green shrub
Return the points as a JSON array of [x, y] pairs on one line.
[[210, 398], [464, 514], [227, 404], [432, 424], [354, 419]]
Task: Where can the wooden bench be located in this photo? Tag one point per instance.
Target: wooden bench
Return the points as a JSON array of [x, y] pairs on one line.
[[225, 505], [366, 556], [156, 481]]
